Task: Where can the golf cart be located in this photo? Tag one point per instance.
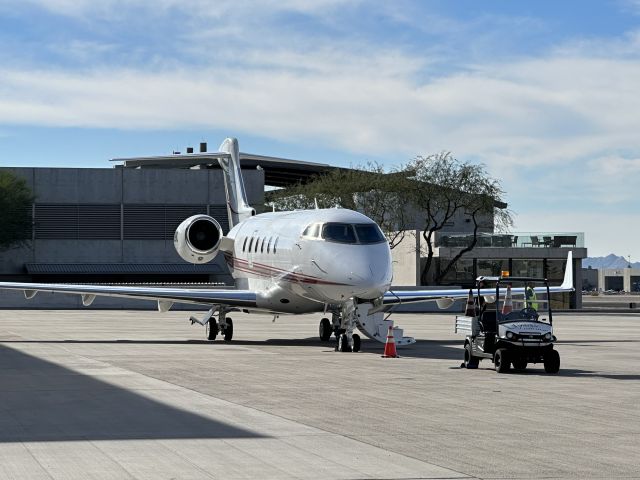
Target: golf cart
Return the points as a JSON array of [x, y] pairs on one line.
[[497, 331]]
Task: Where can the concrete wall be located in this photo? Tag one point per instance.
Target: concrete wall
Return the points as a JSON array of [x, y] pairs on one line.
[[625, 274], [406, 262], [109, 186]]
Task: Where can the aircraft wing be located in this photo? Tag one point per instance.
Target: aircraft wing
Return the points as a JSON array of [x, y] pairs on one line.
[[445, 297], [163, 295]]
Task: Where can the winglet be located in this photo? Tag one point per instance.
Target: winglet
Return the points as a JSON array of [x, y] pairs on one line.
[[567, 283]]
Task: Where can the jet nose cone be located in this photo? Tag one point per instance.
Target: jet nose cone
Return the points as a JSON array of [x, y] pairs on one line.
[[371, 279]]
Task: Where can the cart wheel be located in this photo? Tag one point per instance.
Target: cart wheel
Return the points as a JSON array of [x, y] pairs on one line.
[[501, 360], [552, 362], [469, 360]]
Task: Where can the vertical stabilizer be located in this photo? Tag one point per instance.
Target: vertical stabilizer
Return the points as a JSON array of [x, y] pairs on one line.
[[238, 207]]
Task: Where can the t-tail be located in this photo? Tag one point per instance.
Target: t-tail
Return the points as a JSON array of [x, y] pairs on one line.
[[238, 207]]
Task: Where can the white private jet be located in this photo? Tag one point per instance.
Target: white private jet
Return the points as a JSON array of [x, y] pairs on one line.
[[334, 261]]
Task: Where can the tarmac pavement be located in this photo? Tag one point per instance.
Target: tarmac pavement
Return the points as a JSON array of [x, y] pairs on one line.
[[113, 394]]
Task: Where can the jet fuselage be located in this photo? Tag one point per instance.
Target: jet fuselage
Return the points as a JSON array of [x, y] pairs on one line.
[[302, 260]]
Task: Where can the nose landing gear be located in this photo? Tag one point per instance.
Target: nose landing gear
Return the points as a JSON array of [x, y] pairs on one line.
[[342, 325]]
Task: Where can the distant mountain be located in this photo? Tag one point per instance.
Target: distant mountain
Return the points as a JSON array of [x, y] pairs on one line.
[[610, 261]]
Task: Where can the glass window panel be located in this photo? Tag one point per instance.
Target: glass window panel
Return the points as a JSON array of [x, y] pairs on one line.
[[460, 273], [528, 268], [555, 270], [492, 267]]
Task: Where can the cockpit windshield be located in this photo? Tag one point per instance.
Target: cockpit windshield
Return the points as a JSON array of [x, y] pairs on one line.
[[339, 232], [365, 233], [369, 233]]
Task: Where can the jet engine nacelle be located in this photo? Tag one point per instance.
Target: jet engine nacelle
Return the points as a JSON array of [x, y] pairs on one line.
[[197, 239]]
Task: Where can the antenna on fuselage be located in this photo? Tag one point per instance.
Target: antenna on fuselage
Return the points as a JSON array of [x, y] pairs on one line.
[[315, 200]]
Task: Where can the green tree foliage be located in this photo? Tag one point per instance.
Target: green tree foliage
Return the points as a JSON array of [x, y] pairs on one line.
[[426, 194], [443, 188], [15, 210], [366, 189]]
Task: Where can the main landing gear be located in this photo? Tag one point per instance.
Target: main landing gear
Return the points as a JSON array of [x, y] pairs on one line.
[[342, 326], [224, 327]]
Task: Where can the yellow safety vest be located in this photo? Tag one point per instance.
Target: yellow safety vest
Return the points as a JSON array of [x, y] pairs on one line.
[[531, 298]]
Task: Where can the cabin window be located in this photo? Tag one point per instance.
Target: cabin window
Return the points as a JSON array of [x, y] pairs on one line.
[[275, 244], [269, 245], [244, 245], [256, 246], [262, 245], [339, 232], [250, 244]]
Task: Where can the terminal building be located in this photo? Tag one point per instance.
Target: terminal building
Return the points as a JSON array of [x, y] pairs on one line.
[[116, 225]]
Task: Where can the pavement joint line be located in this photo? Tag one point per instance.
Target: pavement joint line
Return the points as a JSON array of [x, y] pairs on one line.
[[324, 432], [35, 459]]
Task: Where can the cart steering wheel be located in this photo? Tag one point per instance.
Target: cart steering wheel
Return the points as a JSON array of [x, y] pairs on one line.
[[529, 312]]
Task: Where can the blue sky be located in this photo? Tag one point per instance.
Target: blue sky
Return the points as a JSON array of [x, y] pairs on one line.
[[545, 93]]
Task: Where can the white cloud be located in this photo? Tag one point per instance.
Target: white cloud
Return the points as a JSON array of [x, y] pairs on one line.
[[560, 126], [534, 112], [114, 9]]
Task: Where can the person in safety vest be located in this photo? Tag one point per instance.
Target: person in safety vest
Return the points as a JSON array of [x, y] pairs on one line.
[[531, 298]]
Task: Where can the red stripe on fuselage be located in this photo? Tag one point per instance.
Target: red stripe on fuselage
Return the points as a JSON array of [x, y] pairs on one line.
[[262, 270]]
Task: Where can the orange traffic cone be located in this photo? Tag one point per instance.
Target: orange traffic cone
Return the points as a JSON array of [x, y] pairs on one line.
[[470, 310], [390, 346], [508, 302]]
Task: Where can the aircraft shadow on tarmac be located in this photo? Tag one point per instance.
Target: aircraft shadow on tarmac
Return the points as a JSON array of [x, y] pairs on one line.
[[434, 349], [43, 401]]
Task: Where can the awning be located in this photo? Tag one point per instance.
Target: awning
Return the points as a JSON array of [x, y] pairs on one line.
[[120, 268]]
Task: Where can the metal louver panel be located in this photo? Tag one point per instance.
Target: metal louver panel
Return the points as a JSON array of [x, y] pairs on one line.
[[73, 222], [56, 221], [99, 222], [219, 212], [103, 221], [144, 222]]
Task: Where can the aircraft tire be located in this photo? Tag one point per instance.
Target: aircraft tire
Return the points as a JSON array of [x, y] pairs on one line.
[[343, 343], [552, 362], [213, 329], [228, 331], [356, 342], [501, 360], [325, 330]]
